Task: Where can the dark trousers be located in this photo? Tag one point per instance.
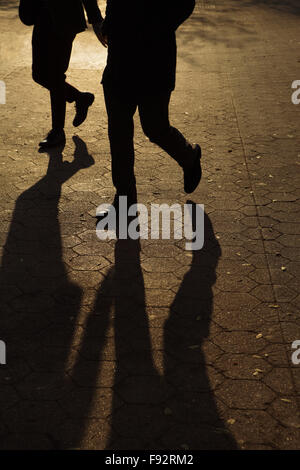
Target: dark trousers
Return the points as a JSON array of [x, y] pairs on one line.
[[50, 60], [154, 116]]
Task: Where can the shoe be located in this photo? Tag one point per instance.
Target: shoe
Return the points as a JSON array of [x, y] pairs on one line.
[[192, 175], [53, 139], [82, 106]]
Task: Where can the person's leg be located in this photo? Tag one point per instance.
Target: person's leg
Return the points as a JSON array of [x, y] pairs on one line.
[[120, 113], [154, 115], [60, 48], [40, 53], [63, 91], [50, 60], [41, 66]]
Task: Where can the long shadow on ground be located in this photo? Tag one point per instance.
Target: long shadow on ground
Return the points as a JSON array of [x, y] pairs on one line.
[[150, 410], [37, 303]]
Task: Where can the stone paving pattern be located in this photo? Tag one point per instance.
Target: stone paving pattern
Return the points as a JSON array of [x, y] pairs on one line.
[[128, 345]]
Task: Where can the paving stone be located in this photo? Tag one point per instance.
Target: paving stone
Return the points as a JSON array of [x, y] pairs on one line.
[[279, 380], [252, 394]]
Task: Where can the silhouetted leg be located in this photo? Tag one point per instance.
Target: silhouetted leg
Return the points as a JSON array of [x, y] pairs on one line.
[[71, 93], [59, 94], [154, 115], [40, 53], [50, 60], [120, 131], [60, 91]]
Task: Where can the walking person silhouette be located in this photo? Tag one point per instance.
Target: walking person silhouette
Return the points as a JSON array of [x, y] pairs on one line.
[[56, 23], [140, 73]]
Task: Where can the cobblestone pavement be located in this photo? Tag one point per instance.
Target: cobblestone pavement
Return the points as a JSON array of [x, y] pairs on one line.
[[128, 345]]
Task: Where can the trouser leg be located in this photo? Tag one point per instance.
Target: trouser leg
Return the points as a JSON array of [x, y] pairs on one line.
[[120, 113], [71, 93], [154, 115], [60, 91], [51, 56]]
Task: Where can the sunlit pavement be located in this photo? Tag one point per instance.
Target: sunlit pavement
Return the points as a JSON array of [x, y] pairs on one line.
[[127, 345]]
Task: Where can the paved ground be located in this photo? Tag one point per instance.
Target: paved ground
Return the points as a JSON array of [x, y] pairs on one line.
[[123, 345]]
